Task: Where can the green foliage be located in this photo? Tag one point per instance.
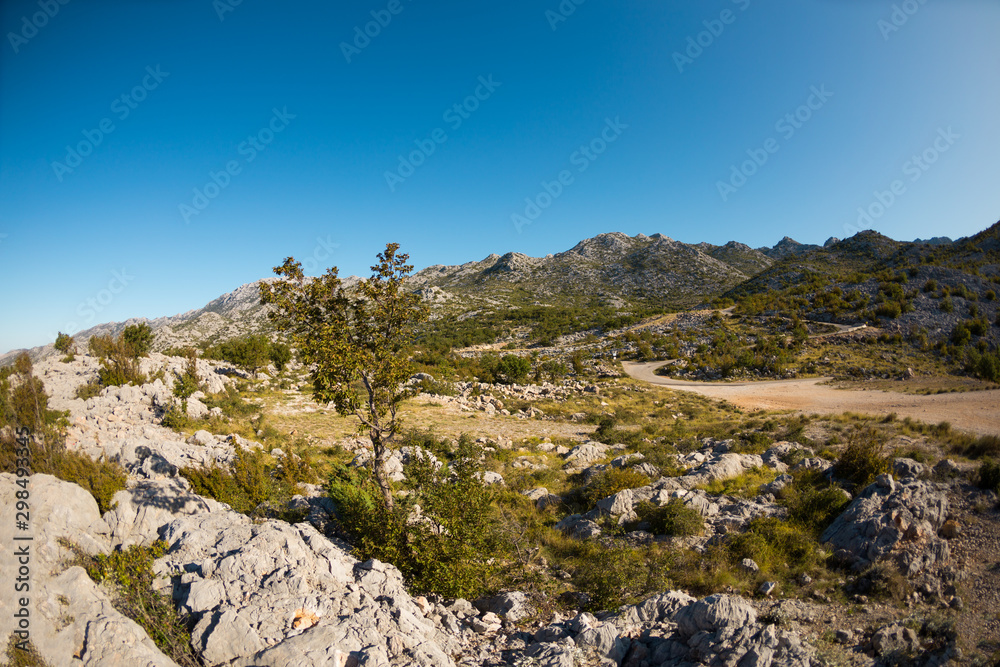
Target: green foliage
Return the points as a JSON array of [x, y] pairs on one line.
[[129, 574], [609, 432], [119, 357], [249, 353], [864, 458], [813, 503], [512, 369], [188, 382], [776, 546], [138, 338], [614, 574], [25, 655], [252, 482], [744, 485], [354, 341], [988, 476], [453, 548], [609, 482], [64, 343], [977, 448], [23, 400], [25, 404], [674, 518], [280, 354], [984, 365]]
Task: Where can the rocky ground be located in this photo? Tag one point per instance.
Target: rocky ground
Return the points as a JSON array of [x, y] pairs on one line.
[[268, 593]]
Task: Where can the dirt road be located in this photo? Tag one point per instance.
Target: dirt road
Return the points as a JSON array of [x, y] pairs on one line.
[[977, 411]]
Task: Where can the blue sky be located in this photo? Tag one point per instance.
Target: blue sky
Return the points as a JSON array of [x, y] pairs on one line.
[[156, 154]]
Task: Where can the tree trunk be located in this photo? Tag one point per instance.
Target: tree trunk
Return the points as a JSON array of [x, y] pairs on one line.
[[378, 469]]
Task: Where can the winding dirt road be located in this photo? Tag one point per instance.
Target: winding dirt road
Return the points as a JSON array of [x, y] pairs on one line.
[[976, 411]]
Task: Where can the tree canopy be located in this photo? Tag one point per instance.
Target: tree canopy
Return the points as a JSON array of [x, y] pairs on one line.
[[355, 341]]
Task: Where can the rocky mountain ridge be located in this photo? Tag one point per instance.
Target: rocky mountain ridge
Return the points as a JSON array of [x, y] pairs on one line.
[[610, 269]]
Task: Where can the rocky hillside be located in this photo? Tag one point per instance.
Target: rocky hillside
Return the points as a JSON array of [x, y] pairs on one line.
[[908, 287], [612, 269]]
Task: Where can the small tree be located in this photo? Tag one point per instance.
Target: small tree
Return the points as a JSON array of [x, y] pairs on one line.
[[64, 343], [280, 355], [139, 338], [355, 342], [249, 353]]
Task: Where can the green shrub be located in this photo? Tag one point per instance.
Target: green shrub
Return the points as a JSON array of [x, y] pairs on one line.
[[813, 503], [776, 546], [64, 343], [188, 382], [865, 457], [614, 574], [674, 518], [745, 485], [988, 476], [138, 338], [119, 361], [280, 354], [512, 369], [888, 309], [250, 482], [455, 547], [609, 482], [102, 479], [129, 574], [249, 353], [984, 365]]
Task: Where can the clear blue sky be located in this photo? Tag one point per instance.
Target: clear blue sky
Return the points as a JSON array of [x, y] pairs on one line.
[[183, 85]]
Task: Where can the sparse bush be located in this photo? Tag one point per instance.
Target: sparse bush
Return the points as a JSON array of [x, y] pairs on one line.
[[988, 476], [615, 574], [775, 545], [865, 457], [64, 343], [453, 547], [280, 354], [609, 482], [187, 383], [976, 448], [674, 518], [251, 480], [129, 574], [138, 338], [813, 503]]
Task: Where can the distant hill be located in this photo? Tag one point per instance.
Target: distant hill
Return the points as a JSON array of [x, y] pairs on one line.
[[611, 270]]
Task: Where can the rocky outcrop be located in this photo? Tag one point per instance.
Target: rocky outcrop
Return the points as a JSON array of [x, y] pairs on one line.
[[278, 594], [670, 629], [893, 518], [72, 620]]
